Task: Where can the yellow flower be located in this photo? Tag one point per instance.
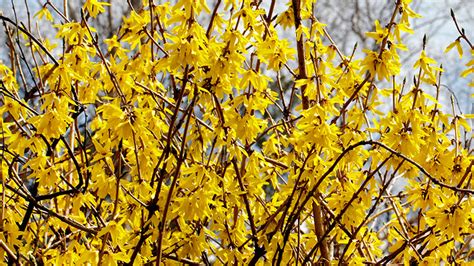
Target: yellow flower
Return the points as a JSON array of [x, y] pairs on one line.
[[44, 12], [379, 34], [95, 7], [286, 19], [275, 52], [383, 66]]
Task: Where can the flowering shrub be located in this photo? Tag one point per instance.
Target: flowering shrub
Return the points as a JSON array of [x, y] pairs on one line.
[[198, 134]]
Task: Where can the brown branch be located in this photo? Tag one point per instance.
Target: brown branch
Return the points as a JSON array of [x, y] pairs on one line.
[[112, 76], [343, 211], [300, 50], [211, 22], [319, 229], [62, 218], [314, 190], [152, 27], [461, 30], [162, 225], [372, 210], [9, 252], [415, 240], [25, 31], [244, 196], [182, 260], [288, 203]]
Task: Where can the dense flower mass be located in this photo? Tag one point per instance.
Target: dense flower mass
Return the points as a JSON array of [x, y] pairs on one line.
[[198, 134]]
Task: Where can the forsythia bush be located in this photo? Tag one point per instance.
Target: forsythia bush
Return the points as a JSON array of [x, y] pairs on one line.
[[199, 135]]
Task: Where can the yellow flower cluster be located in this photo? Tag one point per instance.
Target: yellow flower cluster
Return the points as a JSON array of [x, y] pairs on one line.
[[197, 134]]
